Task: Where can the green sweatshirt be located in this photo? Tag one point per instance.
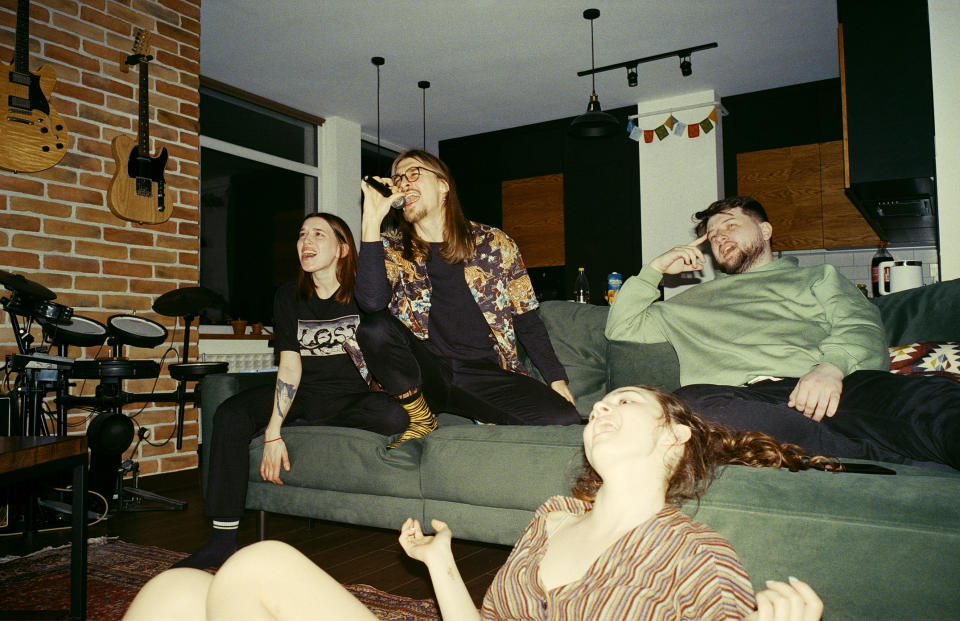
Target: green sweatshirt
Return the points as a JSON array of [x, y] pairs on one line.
[[779, 319]]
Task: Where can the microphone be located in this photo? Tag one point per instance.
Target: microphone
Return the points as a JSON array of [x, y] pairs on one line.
[[397, 203]]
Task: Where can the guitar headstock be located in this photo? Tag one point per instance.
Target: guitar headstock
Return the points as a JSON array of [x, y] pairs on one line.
[[141, 48]]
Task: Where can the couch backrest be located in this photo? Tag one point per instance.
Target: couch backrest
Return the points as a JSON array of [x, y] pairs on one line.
[[595, 366]]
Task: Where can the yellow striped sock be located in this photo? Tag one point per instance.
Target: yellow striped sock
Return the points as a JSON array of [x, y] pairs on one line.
[[422, 420]]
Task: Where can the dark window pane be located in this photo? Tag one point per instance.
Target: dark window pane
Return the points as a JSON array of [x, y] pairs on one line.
[[250, 214], [248, 125]]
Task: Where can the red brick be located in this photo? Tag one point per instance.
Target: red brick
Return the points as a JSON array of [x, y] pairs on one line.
[[168, 226], [163, 134], [127, 236], [79, 300], [190, 228], [124, 105], [177, 243], [76, 26], [19, 222], [150, 255], [12, 259], [190, 52], [190, 25], [126, 302], [151, 7], [190, 95], [99, 249], [100, 115], [71, 229], [18, 183], [191, 169], [82, 161], [101, 215], [182, 8], [178, 462], [190, 199], [44, 244], [39, 31], [58, 173], [163, 73], [136, 270], [75, 195], [64, 72], [79, 92], [63, 6], [44, 207], [70, 264], [137, 19], [95, 147], [190, 110], [189, 139], [176, 273], [178, 62], [66, 108], [184, 153], [54, 282], [111, 56], [152, 287], [118, 25], [82, 61], [98, 182], [107, 85], [189, 258], [100, 283], [161, 103]]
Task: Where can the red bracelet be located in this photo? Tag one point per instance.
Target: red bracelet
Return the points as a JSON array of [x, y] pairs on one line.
[[269, 441]]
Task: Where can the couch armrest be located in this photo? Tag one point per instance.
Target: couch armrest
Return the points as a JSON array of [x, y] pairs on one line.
[[214, 390], [921, 314]]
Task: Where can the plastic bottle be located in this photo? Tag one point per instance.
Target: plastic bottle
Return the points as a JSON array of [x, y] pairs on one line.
[[879, 257], [581, 288]]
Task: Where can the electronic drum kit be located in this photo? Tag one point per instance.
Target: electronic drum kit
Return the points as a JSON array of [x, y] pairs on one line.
[[41, 372]]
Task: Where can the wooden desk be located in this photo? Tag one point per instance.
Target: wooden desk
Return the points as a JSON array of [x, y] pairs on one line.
[[24, 458]]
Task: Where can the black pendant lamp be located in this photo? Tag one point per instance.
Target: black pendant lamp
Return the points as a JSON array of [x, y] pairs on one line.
[[594, 123], [424, 85], [378, 61]]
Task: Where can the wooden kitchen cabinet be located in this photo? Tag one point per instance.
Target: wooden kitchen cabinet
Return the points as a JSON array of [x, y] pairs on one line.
[[801, 188]]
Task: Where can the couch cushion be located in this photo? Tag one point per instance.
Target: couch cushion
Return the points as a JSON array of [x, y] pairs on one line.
[[513, 467], [652, 364], [922, 314], [345, 459]]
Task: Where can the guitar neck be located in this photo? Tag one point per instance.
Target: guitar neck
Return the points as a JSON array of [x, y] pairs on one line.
[[143, 125], [21, 54]]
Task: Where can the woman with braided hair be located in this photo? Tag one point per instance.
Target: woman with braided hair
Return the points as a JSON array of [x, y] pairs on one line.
[[620, 549]]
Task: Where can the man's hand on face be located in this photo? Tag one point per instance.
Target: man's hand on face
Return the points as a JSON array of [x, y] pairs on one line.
[[687, 258], [818, 392]]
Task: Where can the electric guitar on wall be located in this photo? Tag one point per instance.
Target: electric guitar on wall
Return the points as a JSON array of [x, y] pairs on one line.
[[32, 134], [137, 190]]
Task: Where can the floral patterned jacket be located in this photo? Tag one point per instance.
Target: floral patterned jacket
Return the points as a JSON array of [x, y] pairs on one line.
[[495, 276]]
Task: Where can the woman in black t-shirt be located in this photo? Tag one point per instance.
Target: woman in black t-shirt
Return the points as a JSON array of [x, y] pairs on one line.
[[320, 381]]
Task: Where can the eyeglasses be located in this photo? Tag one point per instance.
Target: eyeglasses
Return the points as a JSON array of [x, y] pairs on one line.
[[411, 174]]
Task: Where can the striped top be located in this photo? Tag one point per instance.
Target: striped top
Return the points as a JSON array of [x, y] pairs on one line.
[[669, 567]]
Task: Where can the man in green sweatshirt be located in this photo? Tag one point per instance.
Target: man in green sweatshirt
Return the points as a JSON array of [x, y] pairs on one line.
[[794, 352]]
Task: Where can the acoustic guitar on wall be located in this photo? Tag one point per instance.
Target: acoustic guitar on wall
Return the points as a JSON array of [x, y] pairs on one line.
[[137, 191], [32, 134]]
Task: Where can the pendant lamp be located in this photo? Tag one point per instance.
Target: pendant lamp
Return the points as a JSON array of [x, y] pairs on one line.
[[424, 85], [378, 61], [594, 123]]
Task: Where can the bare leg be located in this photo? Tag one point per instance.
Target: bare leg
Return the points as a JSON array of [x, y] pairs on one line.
[[175, 594], [272, 580]]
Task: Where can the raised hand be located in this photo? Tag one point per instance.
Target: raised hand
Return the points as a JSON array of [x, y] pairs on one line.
[[425, 548], [686, 258]]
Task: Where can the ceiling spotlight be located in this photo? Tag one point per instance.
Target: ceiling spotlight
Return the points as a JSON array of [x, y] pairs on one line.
[[632, 76], [685, 68]]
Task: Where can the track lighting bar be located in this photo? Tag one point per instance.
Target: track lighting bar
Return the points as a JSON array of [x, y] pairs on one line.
[[633, 63]]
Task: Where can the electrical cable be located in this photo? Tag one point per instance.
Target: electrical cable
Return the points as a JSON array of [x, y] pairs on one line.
[[101, 518]]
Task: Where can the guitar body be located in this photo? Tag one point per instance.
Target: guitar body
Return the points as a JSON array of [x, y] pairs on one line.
[[138, 190], [32, 134]]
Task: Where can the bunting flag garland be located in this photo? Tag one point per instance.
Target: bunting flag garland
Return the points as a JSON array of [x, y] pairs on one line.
[[674, 126]]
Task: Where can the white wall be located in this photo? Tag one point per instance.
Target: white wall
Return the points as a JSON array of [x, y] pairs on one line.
[[340, 170], [944, 52], [678, 175]]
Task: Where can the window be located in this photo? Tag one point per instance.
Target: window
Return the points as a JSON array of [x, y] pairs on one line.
[[259, 177]]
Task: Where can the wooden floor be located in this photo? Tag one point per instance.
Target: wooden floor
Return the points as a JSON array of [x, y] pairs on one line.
[[350, 554]]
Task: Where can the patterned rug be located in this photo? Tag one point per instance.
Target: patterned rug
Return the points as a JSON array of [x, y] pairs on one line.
[[115, 572]]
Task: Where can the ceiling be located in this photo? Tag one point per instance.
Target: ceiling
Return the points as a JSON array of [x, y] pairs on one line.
[[494, 64]]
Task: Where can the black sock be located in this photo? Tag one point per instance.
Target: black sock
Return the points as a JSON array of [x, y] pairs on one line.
[[222, 544]]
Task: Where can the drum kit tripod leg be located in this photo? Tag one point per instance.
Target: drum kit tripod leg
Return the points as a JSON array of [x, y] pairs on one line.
[[110, 432]]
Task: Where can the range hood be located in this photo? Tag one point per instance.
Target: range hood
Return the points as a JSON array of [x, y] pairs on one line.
[[899, 210]]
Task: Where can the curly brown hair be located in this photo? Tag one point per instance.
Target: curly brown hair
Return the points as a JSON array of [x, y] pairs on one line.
[[709, 447]]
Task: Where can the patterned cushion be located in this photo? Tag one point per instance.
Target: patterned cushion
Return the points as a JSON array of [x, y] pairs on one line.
[[927, 358]]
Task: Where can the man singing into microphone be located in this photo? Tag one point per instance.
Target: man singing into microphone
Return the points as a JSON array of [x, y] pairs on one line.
[[447, 300]]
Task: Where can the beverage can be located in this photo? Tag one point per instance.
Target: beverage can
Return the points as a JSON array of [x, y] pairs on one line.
[[614, 282]]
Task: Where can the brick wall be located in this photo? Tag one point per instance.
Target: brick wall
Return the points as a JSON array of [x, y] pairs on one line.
[[55, 226]]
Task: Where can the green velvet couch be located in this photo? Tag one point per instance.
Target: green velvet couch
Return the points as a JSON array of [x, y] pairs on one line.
[[874, 546]]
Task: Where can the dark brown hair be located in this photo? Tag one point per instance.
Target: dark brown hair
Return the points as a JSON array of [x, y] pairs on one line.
[[457, 234], [750, 206], [709, 447], [346, 265]]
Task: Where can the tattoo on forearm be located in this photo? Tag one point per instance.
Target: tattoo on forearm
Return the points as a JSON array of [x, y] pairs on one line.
[[285, 393]]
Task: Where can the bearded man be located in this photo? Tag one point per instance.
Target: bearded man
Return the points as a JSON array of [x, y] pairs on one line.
[[797, 353]]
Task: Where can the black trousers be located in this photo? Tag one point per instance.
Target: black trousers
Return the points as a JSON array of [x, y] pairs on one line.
[[476, 389], [881, 416], [244, 415]]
